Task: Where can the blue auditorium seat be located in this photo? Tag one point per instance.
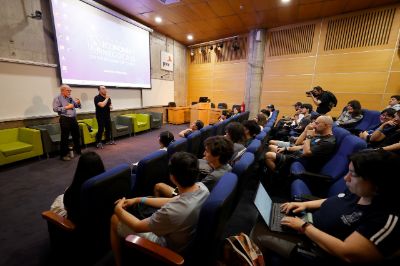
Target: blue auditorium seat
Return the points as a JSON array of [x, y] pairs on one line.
[[324, 183], [369, 121], [178, 145], [152, 169], [194, 142]]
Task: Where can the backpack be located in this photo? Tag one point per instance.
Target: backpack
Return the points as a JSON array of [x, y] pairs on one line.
[[332, 99], [241, 251]]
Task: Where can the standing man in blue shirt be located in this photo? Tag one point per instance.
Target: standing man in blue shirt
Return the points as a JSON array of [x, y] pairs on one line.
[[65, 106], [103, 105]]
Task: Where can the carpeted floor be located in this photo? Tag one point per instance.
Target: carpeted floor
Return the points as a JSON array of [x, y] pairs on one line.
[[27, 188]]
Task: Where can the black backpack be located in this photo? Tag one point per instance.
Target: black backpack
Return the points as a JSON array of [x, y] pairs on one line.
[[332, 99]]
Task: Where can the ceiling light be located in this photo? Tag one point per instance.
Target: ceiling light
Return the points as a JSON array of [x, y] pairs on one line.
[[189, 37], [285, 1], [158, 19]]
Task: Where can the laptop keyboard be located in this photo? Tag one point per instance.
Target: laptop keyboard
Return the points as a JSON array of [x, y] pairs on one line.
[[276, 217]]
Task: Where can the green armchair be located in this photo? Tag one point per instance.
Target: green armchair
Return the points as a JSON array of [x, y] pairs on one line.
[[87, 136], [18, 144], [140, 122]]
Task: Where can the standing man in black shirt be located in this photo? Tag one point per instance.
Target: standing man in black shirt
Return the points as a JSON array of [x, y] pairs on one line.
[[103, 107], [324, 100]]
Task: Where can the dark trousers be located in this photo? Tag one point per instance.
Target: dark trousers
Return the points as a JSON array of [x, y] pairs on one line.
[[103, 123], [69, 125]]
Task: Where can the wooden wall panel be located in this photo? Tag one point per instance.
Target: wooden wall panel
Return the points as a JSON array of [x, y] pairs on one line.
[[289, 84], [355, 62], [367, 82], [393, 85], [221, 82], [291, 66], [396, 60]]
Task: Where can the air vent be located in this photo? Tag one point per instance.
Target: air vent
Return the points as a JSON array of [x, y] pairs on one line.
[[370, 28], [169, 2], [291, 41]]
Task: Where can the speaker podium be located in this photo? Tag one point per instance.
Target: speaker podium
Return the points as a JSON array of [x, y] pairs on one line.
[[204, 112]]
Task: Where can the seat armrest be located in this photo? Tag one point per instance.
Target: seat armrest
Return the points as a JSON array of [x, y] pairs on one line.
[[161, 253], [58, 220]]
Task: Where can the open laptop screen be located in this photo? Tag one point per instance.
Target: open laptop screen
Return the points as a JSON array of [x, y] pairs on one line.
[[263, 203]]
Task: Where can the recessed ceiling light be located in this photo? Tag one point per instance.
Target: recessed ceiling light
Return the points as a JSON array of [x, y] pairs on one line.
[[189, 37], [285, 1], [158, 19]]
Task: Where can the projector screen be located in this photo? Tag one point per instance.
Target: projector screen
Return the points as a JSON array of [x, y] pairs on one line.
[[97, 48]]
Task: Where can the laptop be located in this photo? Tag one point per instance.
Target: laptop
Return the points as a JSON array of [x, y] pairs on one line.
[[271, 212]]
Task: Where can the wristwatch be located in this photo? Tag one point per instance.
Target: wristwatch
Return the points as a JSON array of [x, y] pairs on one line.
[[309, 137]]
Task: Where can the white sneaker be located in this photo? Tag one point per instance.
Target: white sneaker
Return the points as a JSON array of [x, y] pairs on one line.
[[99, 145]]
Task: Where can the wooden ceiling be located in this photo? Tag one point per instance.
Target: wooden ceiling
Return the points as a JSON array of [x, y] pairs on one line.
[[209, 20]]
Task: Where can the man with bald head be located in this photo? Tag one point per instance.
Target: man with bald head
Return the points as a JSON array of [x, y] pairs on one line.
[[103, 105], [65, 106], [318, 146]]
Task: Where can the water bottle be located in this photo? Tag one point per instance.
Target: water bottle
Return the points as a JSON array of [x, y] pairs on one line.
[[71, 152]]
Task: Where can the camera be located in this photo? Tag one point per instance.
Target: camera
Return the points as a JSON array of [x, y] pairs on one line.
[[309, 93]]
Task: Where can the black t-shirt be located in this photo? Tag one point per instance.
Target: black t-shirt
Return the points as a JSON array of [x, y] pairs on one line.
[[341, 215], [105, 111], [322, 149], [324, 106]]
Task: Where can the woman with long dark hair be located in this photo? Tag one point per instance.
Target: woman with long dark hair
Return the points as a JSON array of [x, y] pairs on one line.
[[89, 165]]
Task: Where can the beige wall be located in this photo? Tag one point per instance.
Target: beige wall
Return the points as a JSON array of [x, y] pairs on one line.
[[370, 74]]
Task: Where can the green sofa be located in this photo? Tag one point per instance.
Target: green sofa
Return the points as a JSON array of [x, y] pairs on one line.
[[87, 136], [140, 122], [18, 144]]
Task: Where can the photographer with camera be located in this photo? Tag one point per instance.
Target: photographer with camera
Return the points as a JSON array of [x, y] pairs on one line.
[[325, 100]]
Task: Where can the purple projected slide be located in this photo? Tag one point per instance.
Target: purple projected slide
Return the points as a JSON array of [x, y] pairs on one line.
[[96, 48]]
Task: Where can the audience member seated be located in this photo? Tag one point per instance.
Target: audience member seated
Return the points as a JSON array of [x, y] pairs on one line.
[[359, 226], [394, 102], [165, 138], [266, 112], [386, 115], [197, 125], [68, 204], [235, 132], [261, 120], [387, 134], [225, 115], [174, 224], [305, 112], [251, 130], [218, 152], [351, 115], [294, 141], [235, 110], [318, 146], [271, 109]]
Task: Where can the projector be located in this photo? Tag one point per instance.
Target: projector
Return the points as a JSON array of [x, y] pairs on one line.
[[169, 2]]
